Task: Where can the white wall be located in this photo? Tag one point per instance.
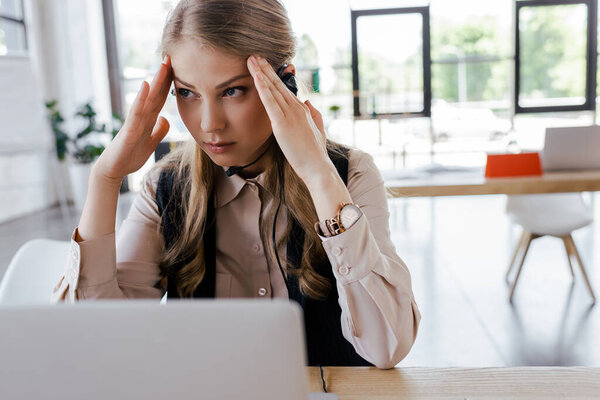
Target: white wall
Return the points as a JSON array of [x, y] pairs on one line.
[[25, 141], [67, 62]]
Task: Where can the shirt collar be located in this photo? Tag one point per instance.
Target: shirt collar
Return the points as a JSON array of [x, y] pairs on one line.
[[229, 187]]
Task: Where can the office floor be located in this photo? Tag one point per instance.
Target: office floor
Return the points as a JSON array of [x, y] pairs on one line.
[[457, 249]]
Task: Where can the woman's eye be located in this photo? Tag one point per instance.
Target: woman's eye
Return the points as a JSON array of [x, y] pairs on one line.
[[234, 91], [184, 93]]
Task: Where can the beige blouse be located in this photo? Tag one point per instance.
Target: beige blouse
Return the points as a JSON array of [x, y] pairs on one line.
[[379, 314]]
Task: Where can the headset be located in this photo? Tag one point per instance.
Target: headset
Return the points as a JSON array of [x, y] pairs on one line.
[[289, 80]]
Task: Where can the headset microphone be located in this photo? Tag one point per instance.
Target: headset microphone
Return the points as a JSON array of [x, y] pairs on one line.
[[234, 170]]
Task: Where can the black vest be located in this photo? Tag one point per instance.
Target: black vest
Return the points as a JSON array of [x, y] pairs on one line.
[[324, 340]]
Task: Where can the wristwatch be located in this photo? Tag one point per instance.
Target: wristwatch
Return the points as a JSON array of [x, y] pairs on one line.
[[347, 215]]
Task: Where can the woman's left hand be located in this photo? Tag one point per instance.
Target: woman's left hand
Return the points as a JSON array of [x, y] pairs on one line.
[[297, 126]]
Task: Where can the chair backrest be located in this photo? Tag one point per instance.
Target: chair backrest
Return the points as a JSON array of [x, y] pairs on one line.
[[549, 214], [571, 148], [33, 272]]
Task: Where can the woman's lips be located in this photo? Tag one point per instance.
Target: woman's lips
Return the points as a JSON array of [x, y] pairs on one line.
[[219, 148]]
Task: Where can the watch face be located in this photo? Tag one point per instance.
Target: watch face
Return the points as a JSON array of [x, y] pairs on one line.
[[349, 214]]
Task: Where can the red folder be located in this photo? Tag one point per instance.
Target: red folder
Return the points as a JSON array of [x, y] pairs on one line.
[[521, 164]]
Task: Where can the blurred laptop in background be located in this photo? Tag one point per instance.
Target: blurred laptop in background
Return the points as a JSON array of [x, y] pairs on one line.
[[571, 148]]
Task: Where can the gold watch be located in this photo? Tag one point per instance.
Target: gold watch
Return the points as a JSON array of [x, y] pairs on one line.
[[347, 215]]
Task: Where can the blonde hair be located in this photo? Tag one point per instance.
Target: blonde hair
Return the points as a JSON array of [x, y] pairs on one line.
[[242, 28]]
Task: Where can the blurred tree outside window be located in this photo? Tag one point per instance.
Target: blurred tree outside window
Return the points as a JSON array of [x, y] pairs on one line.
[[553, 44], [390, 66]]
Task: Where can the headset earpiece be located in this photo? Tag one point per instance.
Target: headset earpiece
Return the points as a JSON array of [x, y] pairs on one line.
[[289, 80]]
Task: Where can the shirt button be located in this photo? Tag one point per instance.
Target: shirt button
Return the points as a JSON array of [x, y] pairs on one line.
[[336, 251], [74, 254], [344, 270], [256, 248], [73, 275], [262, 291]]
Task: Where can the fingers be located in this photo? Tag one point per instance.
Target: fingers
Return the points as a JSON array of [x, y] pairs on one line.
[[159, 88], [136, 112], [160, 130], [273, 101], [316, 116], [276, 84]]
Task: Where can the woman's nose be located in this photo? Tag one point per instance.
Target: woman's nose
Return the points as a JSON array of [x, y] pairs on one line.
[[212, 118]]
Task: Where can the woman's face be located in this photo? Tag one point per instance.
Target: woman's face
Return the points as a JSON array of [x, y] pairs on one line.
[[219, 104]]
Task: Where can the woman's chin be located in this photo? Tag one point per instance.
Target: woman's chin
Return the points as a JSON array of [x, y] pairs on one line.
[[221, 160]]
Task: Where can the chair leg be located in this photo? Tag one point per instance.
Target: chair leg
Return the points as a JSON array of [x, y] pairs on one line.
[[514, 257], [569, 251], [585, 277], [527, 241]]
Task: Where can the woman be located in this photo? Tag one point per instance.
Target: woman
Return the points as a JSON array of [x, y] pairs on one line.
[[258, 204]]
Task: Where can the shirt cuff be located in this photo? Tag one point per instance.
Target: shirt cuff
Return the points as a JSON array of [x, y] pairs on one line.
[[353, 253], [93, 261]]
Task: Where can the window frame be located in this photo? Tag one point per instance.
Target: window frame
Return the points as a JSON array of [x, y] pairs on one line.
[[591, 57], [424, 11], [21, 21]]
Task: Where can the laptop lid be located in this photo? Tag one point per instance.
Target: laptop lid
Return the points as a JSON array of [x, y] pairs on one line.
[[571, 148], [226, 349]]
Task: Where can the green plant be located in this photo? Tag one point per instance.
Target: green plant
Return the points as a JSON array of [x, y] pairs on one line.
[[83, 151], [334, 110], [85, 147], [60, 137]]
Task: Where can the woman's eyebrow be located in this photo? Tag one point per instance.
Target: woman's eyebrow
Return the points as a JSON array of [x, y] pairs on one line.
[[183, 83], [227, 82], [219, 86]]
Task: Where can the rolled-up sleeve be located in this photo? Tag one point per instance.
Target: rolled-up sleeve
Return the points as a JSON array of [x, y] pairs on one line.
[[127, 267], [379, 315]]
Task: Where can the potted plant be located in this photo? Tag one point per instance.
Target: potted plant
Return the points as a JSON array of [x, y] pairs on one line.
[[83, 148], [334, 109]]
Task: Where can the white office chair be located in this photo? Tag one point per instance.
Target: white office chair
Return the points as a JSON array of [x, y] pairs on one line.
[[33, 272], [548, 214]]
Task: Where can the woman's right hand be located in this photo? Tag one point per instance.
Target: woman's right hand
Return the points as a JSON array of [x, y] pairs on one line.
[[141, 132]]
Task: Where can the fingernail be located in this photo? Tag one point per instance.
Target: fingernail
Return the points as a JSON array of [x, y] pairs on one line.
[[165, 58], [253, 60]]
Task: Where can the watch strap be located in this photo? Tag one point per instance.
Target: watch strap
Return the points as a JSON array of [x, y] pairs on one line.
[[333, 226]]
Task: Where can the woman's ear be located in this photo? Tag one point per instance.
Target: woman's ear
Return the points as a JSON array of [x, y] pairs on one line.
[[290, 68]]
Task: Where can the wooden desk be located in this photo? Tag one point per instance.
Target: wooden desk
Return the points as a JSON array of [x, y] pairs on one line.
[[474, 183], [354, 383]]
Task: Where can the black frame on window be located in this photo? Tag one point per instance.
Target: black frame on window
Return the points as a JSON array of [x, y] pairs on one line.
[[591, 56], [424, 11], [20, 21]]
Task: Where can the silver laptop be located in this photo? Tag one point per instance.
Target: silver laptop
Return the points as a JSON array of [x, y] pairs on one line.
[[230, 349], [571, 148]]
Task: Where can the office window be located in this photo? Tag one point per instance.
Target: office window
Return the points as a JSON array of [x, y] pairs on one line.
[[12, 28], [390, 61], [555, 65], [471, 61]]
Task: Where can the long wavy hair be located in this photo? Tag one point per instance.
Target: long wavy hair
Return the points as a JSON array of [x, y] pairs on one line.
[[241, 28]]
